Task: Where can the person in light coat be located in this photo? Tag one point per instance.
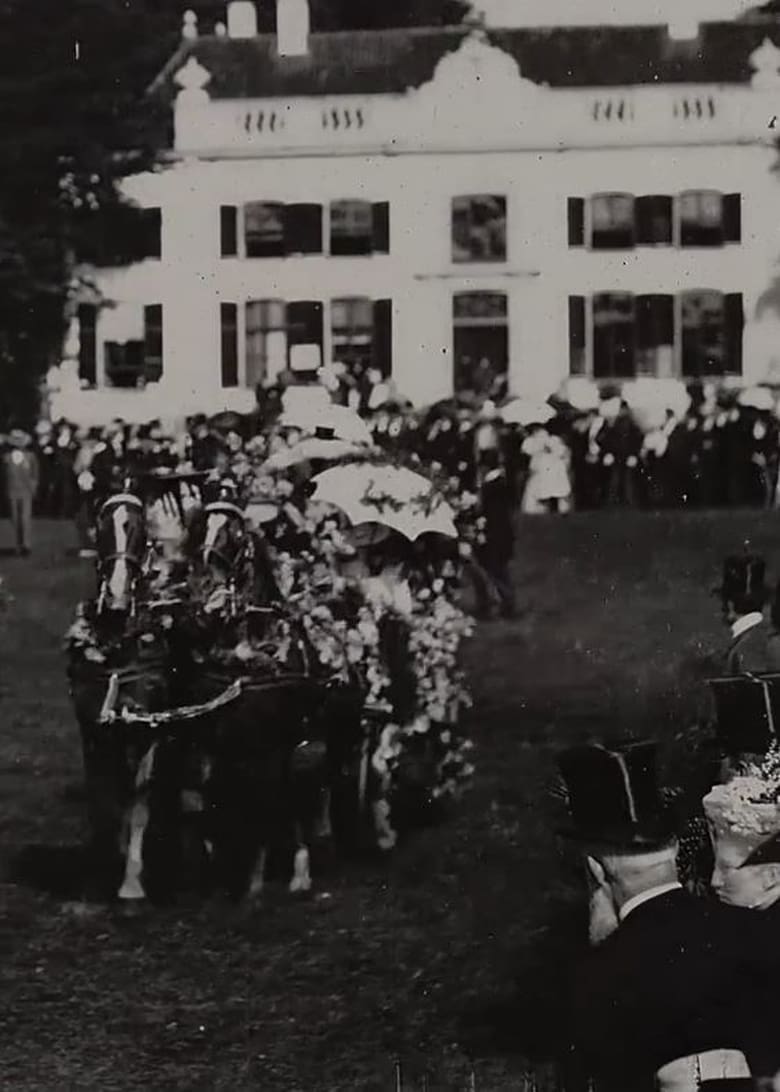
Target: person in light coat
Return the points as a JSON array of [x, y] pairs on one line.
[[21, 475]]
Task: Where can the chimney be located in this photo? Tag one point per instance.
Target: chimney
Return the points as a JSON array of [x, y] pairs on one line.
[[241, 19], [292, 28]]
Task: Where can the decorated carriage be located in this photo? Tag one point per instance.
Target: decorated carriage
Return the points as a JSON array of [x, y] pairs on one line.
[[269, 666]]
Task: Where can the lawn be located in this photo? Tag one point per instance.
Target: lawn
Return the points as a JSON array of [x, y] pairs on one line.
[[323, 993]]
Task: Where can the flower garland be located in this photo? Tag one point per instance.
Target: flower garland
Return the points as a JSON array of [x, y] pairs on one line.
[[743, 803]]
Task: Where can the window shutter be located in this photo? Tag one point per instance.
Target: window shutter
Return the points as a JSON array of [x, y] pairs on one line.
[[153, 342], [655, 321], [87, 316], [576, 335], [735, 321], [653, 219], [381, 227], [228, 318], [151, 233], [732, 217], [575, 207], [228, 231], [383, 337], [303, 229]]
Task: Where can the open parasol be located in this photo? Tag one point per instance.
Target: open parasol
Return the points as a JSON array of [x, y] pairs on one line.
[[522, 411], [389, 495], [341, 421], [310, 449]]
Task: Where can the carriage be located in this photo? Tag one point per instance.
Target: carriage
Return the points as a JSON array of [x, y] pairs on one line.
[[242, 703]]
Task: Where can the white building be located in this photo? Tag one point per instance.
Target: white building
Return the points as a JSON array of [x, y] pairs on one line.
[[556, 200]]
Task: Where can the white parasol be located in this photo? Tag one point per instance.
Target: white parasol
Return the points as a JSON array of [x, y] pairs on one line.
[[581, 393], [390, 495], [521, 411], [341, 421], [758, 398], [309, 449]]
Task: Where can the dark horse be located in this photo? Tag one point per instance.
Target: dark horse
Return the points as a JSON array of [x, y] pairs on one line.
[[267, 794]]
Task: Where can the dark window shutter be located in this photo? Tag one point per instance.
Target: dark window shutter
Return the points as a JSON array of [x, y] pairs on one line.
[[303, 229], [655, 321], [153, 342], [151, 233], [577, 335], [228, 231], [383, 337], [87, 316], [228, 317], [575, 207], [381, 227], [735, 321], [732, 217], [653, 219]]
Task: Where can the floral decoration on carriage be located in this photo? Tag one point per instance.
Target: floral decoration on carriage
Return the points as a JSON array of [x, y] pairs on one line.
[[315, 566]]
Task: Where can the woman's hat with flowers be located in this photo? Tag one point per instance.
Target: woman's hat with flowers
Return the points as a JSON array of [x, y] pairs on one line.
[[746, 810]]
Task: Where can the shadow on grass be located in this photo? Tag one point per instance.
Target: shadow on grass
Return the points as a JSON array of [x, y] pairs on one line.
[[64, 872]]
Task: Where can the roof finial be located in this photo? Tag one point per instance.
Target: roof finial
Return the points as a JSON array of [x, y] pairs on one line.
[[189, 28]]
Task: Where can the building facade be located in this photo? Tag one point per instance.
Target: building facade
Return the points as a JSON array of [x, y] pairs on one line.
[[447, 205]]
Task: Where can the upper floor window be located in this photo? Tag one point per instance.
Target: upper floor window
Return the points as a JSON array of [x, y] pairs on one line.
[[622, 221], [479, 229], [359, 227], [274, 230]]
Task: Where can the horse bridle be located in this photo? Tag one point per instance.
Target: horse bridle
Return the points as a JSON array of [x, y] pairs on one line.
[[229, 509], [129, 558]]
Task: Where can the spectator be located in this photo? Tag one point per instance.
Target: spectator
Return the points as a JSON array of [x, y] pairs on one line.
[[21, 486]]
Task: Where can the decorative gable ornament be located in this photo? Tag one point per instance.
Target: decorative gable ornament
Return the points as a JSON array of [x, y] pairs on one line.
[[477, 89], [765, 64], [192, 79]]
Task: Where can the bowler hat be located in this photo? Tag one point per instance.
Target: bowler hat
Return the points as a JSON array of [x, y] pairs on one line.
[[743, 575], [614, 797]]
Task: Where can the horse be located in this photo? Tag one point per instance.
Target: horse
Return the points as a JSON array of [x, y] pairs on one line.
[[123, 551]]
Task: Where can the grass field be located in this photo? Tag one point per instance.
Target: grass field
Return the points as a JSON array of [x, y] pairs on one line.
[[322, 994]]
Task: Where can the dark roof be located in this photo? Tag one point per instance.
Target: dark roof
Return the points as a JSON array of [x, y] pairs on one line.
[[387, 61]]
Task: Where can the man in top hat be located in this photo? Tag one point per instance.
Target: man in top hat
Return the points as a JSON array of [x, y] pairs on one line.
[[743, 595], [673, 983], [21, 484]]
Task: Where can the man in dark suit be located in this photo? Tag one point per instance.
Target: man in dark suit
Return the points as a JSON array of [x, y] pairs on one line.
[[671, 980], [743, 595]]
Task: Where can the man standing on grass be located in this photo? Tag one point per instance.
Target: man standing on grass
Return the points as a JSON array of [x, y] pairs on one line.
[[21, 484]]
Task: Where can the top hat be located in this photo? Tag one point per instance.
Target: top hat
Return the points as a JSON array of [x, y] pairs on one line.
[[743, 575], [614, 797], [18, 438], [747, 712]]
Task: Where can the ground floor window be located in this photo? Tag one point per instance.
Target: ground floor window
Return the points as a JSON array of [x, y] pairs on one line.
[[361, 335], [137, 361], [480, 342], [619, 335]]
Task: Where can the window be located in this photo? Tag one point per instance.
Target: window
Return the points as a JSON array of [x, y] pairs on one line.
[[362, 334], [697, 335], [266, 340], [614, 335], [711, 333], [654, 220], [359, 227], [701, 218], [282, 335], [479, 229], [480, 342], [273, 230], [612, 221], [228, 315], [228, 231], [150, 233], [87, 316], [124, 363], [153, 342]]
